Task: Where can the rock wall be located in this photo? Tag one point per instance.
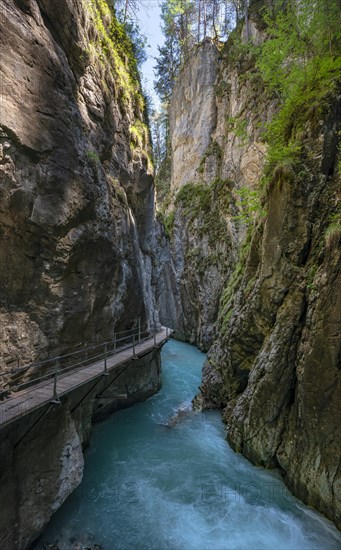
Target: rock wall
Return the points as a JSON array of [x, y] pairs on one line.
[[268, 272], [76, 188], [275, 366], [193, 114], [76, 234], [216, 150], [42, 454]]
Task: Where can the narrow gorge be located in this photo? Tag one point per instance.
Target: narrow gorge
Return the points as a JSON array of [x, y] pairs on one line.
[[233, 242]]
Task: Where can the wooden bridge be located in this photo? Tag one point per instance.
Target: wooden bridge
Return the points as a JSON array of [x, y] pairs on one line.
[[58, 376]]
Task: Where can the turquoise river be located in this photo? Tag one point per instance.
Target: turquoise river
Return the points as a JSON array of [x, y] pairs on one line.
[[161, 477]]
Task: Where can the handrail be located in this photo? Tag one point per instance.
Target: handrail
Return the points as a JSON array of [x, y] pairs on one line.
[[93, 346], [109, 348], [48, 360]]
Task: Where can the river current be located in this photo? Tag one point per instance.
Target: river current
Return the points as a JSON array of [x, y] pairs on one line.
[[161, 477]]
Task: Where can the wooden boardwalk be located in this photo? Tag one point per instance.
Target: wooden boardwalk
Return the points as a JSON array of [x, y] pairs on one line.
[[26, 401]]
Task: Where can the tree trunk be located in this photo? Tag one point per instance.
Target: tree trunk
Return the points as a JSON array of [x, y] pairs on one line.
[[247, 27], [126, 5]]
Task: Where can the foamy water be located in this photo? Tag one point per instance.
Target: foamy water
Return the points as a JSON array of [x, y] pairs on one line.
[[161, 477]]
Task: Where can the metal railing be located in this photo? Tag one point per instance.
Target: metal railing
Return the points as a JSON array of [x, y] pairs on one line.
[[55, 367]]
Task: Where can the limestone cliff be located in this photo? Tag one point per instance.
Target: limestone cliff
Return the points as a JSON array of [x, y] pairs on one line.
[[216, 150], [76, 192], [264, 258]]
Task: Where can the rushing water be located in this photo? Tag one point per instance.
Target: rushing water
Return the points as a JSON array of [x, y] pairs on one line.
[[149, 485]]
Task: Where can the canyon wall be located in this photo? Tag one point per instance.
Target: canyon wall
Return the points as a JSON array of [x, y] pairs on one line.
[[77, 259], [276, 363], [256, 267], [76, 191], [216, 150]]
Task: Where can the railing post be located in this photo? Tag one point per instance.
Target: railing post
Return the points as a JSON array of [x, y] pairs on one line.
[[134, 354], [139, 330], [55, 400], [105, 372]]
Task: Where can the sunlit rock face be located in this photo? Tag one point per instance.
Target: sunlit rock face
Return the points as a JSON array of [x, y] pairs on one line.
[[274, 367], [216, 119], [76, 192], [216, 149], [193, 114]]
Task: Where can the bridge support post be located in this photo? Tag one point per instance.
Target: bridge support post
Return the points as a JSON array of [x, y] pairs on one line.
[[55, 400], [105, 372]]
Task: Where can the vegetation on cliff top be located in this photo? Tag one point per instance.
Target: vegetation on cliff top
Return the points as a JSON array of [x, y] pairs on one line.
[[300, 63], [113, 49], [186, 24]]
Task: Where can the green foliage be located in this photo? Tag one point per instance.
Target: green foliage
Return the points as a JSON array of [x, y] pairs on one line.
[[168, 222], [333, 231], [207, 205], [301, 65], [93, 157], [194, 198], [138, 39], [227, 298], [139, 134], [169, 58], [213, 150], [240, 53], [249, 203], [161, 141], [185, 24], [112, 48], [311, 276], [238, 127], [118, 191]]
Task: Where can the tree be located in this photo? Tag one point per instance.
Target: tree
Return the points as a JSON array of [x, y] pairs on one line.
[[126, 12], [186, 23], [160, 134], [300, 62]]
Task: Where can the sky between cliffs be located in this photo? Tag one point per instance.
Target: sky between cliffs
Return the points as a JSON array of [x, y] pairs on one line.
[[149, 20]]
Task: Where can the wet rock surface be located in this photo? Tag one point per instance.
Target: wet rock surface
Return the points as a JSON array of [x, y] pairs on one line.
[[274, 366], [76, 236]]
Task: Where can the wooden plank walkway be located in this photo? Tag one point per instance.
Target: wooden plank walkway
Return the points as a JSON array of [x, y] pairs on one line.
[[26, 401]]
